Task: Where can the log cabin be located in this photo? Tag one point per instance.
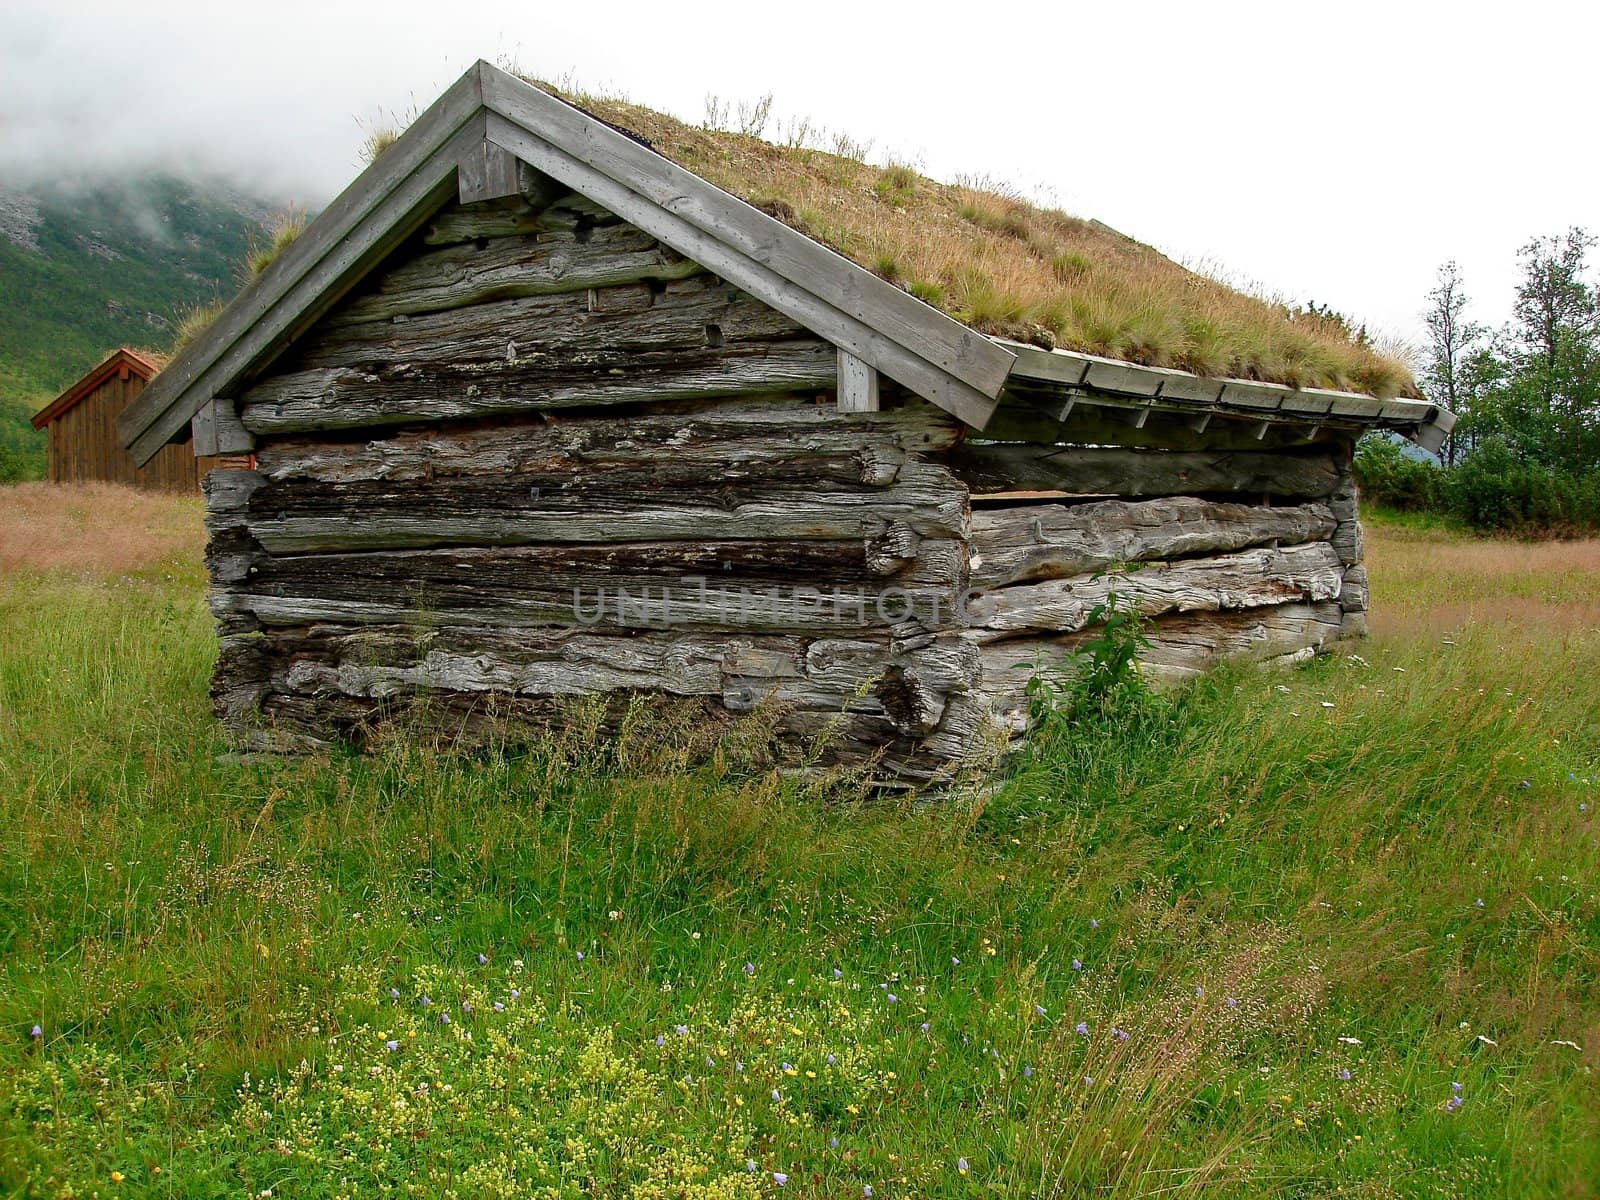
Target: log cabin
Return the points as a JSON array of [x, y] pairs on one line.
[[82, 432], [540, 412]]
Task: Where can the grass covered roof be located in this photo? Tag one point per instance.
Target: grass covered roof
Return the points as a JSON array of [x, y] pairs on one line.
[[1011, 268]]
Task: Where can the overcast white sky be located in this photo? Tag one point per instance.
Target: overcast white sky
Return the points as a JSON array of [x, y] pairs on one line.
[[1336, 152]]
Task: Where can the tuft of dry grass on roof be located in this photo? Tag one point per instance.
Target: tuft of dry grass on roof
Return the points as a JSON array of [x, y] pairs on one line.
[[376, 142], [191, 322], [380, 132], [1008, 267], [281, 233]]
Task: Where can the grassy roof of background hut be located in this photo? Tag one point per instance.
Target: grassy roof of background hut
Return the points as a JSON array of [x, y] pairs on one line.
[[1008, 267]]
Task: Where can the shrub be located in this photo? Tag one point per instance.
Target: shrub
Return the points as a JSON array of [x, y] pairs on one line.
[[1389, 477], [1493, 489], [1099, 684]]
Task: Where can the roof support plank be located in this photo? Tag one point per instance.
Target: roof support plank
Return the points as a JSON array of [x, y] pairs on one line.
[[217, 430], [858, 385], [203, 431], [490, 172]]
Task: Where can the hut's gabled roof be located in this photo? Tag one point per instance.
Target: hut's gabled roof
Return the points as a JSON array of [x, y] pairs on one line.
[[469, 144], [119, 360]]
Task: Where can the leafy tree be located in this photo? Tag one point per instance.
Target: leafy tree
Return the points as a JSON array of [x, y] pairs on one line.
[[1554, 303], [1552, 393], [1481, 381], [1452, 338]]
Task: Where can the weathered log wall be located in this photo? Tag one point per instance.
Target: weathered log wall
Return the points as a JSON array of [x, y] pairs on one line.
[[539, 456]]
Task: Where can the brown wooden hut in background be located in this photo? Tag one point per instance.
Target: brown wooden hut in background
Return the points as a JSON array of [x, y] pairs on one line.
[[541, 413], [82, 424]]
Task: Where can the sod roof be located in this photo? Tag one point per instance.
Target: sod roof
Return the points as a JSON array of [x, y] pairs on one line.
[[1008, 267]]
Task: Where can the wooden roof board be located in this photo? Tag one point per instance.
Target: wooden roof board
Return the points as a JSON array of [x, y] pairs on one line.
[[1069, 369], [116, 361]]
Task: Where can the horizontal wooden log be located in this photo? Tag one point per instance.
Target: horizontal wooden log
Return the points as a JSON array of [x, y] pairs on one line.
[[1000, 468], [1188, 645], [298, 724], [761, 471], [1049, 541], [227, 492], [391, 660], [511, 216], [742, 672], [1182, 646], [503, 268], [818, 498], [231, 555], [724, 435], [966, 737], [759, 586], [544, 204], [581, 331], [241, 675], [1250, 579], [1350, 542], [908, 690], [854, 741], [346, 398]]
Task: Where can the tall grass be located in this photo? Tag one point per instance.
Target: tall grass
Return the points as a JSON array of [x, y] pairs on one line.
[[98, 529], [1271, 887]]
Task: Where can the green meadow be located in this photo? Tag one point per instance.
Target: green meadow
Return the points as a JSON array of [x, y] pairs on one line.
[[1329, 931]]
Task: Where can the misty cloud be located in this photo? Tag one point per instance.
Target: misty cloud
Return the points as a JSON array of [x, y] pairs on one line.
[[250, 93]]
